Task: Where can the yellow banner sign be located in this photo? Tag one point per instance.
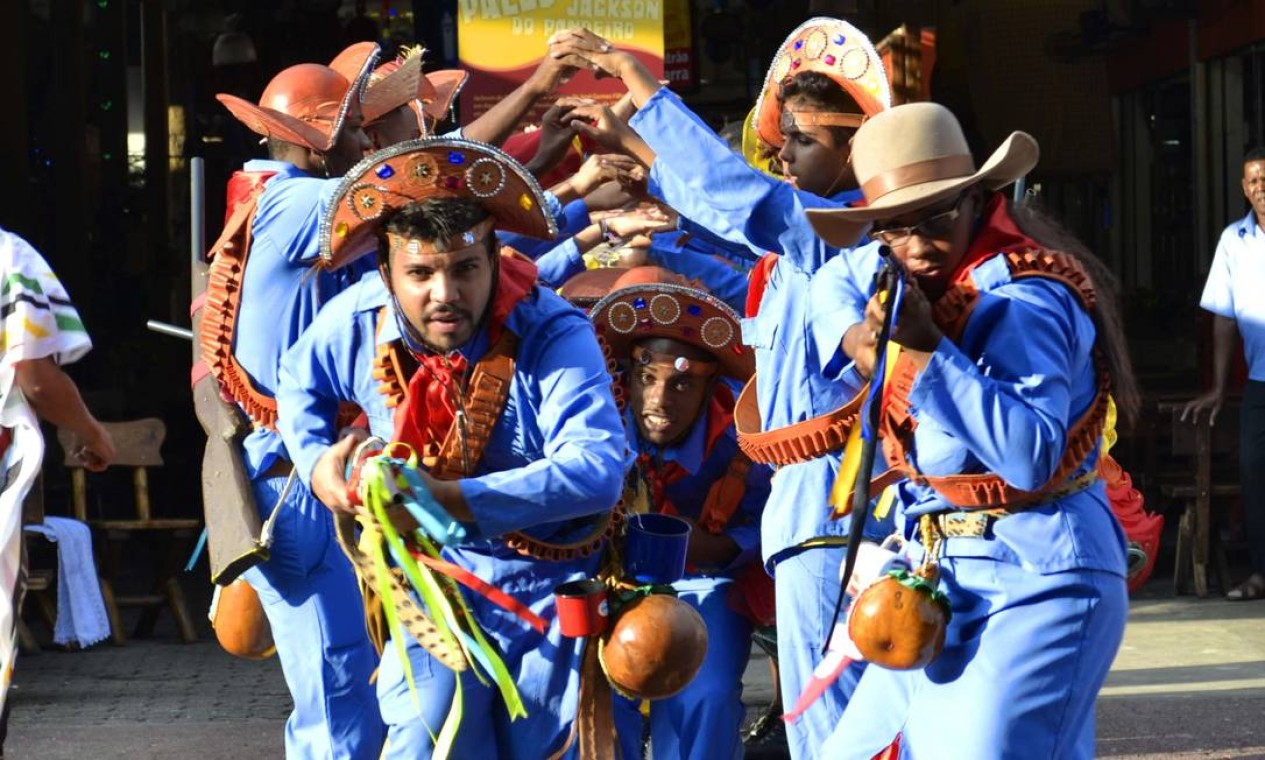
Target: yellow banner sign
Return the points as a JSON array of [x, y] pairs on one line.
[[500, 42]]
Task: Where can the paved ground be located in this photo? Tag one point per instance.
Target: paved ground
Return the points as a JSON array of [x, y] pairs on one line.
[[1189, 682]]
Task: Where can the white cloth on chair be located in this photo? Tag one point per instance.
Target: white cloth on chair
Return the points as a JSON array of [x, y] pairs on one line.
[[81, 617]]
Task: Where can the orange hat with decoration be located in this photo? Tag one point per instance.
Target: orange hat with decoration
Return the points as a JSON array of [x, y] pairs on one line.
[[836, 49], [590, 286], [437, 167], [653, 302], [401, 82], [306, 104]]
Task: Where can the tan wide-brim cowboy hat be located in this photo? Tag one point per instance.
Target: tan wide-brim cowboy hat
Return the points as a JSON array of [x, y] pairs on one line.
[[306, 104], [439, 167], [914, 156]]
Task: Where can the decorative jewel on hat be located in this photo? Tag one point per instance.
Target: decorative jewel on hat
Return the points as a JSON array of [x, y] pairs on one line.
[[717, 332], [422, 170], [665, 309], [485, 178], [366, 202], [444, 167], [662, 309], [622, 318], [831, 47]]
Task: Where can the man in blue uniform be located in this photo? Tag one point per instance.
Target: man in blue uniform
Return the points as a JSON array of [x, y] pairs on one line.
[[530, 461], [824, 81], [310, 115], [676, 373], [1007, 344]]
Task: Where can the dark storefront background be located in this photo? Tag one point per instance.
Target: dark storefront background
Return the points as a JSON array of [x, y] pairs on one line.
[[110, 99]]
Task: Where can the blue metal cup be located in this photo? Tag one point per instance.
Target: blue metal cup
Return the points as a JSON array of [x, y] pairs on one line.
[[655, 550]]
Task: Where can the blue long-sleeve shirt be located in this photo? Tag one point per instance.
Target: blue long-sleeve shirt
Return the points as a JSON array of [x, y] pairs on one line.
[[1002, 400], [697, 174], [556, 454], [703, 469], [282, 291], [672, 250]]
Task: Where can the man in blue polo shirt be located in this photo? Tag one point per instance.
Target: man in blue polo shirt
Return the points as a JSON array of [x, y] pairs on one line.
[[1232, 294]]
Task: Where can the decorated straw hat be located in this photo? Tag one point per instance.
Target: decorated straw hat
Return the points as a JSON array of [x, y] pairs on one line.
[[402, 82], [307, 104], [915, 156], [447, 84], [439, 167], [754, 149], [590, 286], [651, 302], [834, 48]]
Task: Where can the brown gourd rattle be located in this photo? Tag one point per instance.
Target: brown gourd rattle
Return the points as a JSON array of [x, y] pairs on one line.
[[898, 622]]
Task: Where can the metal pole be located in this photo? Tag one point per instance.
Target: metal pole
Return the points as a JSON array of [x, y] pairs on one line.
[[197, 224], [174, 331]]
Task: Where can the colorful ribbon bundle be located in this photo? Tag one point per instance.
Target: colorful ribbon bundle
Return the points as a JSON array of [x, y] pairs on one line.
[[386, 477]]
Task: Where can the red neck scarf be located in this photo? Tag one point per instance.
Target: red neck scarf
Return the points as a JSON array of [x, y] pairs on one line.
[[997, 234], [660, 474], [430, 404]]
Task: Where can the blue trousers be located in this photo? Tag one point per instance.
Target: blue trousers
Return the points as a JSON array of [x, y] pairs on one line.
[[807, 583], [1024, 657], [703, 721], [309, 593], [546, 669]]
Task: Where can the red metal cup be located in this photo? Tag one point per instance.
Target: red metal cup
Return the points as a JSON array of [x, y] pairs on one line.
[[582, 608]]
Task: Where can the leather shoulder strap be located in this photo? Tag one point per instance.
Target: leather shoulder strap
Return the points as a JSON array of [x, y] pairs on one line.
[[955, 307], [796, 443], [725, 495], [223, 303], [486, 395]]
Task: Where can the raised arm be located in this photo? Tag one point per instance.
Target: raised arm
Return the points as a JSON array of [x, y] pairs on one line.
[[692, 169], [499, 121]]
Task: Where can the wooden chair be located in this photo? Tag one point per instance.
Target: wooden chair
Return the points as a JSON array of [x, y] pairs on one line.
[[1210, 479], [137, 444], [41, 582], [39, 560]]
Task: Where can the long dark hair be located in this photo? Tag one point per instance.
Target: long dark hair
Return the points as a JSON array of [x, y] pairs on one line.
[[1039, 225]]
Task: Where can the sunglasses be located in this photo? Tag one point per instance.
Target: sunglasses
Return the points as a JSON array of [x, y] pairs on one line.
[[937, 226]]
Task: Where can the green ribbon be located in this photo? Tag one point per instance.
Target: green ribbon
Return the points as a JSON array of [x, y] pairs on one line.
[[380, 483]]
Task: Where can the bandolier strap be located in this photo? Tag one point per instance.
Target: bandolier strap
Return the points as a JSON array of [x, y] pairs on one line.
[[222, 305], [485, 400], [951, 313]]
